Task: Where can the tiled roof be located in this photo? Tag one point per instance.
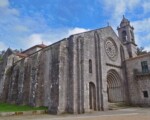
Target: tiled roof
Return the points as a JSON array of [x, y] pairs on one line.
[[139, 56], [21, 55], [39, 46]]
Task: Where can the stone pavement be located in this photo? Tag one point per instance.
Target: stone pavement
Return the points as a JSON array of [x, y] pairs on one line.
[[122, 114]]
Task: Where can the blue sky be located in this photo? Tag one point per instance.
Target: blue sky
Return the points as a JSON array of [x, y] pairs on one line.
[[24, 23]]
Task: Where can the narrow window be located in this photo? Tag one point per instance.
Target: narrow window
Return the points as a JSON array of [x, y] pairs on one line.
[[122, 54], [144, 66], [145, 94], [90, 66], [132, 35], [124, 36]]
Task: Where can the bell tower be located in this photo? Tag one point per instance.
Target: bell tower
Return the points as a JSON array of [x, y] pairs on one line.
[[126, 35]]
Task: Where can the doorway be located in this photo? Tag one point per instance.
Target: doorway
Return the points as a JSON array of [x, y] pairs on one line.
[[92, 96], [114, 87]]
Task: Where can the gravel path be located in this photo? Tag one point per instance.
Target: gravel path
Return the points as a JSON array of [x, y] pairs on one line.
[[122, 114]]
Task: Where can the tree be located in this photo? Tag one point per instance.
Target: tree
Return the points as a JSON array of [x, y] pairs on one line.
[[1, 59], [1, 55], [141, 51]]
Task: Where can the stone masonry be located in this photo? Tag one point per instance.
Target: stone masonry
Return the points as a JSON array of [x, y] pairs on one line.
[[78, 74]]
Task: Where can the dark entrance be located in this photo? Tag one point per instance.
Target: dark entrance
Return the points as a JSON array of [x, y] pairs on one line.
[[92, 96], [114, 87]]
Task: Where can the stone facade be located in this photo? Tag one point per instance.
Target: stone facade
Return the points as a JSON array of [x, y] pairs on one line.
[[139, 80], [78, 74]]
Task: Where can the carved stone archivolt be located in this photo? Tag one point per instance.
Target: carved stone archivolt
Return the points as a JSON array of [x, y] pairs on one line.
[[111, 49]]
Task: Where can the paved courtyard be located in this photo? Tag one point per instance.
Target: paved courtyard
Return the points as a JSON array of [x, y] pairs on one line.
[[121, 114]]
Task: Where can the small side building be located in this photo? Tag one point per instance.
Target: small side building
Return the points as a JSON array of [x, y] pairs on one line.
[[138, 72]]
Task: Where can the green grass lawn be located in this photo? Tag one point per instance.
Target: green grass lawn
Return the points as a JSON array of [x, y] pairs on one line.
[[5, 107]]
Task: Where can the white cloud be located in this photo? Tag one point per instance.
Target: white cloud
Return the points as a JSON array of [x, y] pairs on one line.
[[77, 30], [21, 28], [3, 46], [6, 10], [142, 28], [25, 32], [146, 7], [35, 39], [147, 48], [118, 8], [50, 36], [4, 3], [142, 25], [33, 30]]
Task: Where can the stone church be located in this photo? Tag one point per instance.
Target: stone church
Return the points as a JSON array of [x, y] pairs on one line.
[[78, 74]]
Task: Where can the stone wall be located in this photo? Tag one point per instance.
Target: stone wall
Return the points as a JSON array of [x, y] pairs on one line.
[[138, 81], [58, 76], [82, 48], [4, 80], [29, 81]]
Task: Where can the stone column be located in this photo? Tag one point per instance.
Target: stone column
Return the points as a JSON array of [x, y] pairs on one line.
[[63, 72]]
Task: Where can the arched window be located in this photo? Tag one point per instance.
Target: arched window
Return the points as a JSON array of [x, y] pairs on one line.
[[132, 35], [90, 66], [124, 36], [122, 54], [92, 96]]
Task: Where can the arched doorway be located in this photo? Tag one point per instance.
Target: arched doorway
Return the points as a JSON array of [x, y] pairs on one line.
[[92, 96], [114, 87]]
